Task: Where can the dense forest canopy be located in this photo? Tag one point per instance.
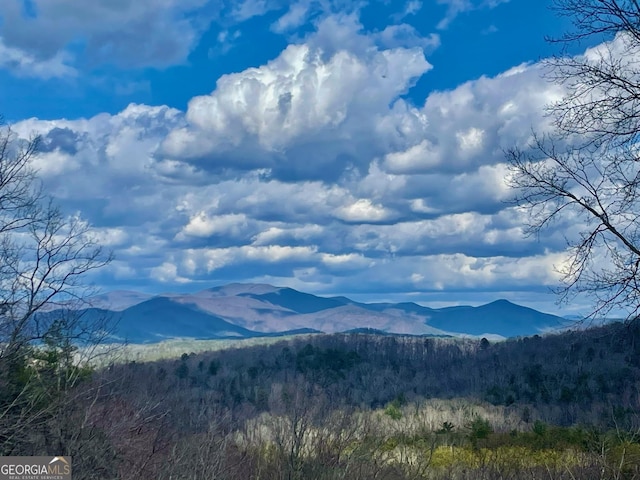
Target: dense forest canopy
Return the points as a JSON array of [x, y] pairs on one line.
[[362, 406]]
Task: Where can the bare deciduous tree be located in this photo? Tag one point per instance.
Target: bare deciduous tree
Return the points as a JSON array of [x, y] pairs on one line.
[[587, 170], [44, 256]]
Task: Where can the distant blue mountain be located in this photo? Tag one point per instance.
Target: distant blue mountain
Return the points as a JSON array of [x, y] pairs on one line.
[[299, 302], [162, 318], [409, 307], [250, 310], [501, 317]]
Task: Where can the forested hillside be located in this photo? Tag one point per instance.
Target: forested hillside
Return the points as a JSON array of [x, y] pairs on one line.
[[361, 406]]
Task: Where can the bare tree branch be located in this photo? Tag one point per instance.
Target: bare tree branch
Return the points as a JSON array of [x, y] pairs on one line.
[[588, 168], [44, 257]]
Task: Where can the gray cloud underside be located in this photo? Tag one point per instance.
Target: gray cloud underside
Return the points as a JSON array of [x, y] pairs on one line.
[[314, 172]]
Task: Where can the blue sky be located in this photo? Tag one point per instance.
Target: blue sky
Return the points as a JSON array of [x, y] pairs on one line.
[[334, 146]]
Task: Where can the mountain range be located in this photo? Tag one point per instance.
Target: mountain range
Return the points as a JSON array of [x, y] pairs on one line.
[[253, 310]]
